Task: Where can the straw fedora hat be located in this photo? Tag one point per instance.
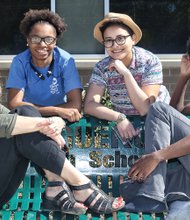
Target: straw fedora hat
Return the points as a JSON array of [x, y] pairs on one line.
[[125, 19]]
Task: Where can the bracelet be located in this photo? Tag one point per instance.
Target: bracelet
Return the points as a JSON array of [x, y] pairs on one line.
[[120, 118]]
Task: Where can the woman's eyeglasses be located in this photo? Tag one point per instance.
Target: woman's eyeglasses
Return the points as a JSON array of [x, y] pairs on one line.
[[37, 40], [120, 40]]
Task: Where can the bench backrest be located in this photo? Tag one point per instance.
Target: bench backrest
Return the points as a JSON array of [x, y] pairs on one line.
[[96, 150]]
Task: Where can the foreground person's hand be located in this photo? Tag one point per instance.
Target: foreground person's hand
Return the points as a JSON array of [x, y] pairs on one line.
[[143, 167], [52, 126], [59, 140]]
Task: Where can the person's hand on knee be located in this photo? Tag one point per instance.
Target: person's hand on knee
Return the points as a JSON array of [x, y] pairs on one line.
[[52, 126]]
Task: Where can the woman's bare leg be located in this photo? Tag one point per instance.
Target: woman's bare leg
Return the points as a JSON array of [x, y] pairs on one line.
[[78, 179], [53, 191]]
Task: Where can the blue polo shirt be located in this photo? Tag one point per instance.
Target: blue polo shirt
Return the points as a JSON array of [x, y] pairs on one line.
[[52, 90]]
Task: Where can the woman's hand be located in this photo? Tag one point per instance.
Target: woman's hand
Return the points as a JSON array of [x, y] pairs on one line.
[[126, 129], [59, 140], [185, 66], [71, 114], [143, 167], [119, 66], [51, 126]]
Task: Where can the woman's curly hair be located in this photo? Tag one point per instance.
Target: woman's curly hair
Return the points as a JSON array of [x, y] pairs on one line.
[[44, 15]]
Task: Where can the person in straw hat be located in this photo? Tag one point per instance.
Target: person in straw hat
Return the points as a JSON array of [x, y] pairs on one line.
[[131, 75]]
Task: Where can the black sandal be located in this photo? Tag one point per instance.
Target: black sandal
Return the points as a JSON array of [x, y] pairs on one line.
[[103, 205], [64, 201]]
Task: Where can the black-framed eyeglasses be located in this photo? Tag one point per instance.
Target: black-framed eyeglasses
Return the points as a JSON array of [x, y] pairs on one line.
[[120, 40], [37, 40]]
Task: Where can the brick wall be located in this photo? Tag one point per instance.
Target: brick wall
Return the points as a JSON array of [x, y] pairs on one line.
[[170, 79], [3, 92]]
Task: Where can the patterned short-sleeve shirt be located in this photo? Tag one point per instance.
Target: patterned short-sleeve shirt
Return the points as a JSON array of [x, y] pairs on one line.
[[146, 69]]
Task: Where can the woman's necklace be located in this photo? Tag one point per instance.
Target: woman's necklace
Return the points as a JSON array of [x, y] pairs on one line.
[[40, 75]]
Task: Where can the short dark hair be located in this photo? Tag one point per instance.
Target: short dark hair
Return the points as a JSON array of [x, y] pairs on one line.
[[115, 22], [44, 15]]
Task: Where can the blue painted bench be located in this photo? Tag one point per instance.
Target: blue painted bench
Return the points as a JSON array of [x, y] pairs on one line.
[[97, 152]]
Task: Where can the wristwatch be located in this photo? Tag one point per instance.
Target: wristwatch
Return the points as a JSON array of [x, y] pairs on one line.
[[120, 118]]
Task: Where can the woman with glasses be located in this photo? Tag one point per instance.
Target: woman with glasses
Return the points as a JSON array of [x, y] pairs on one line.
[[44, 75], [131, 75]]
